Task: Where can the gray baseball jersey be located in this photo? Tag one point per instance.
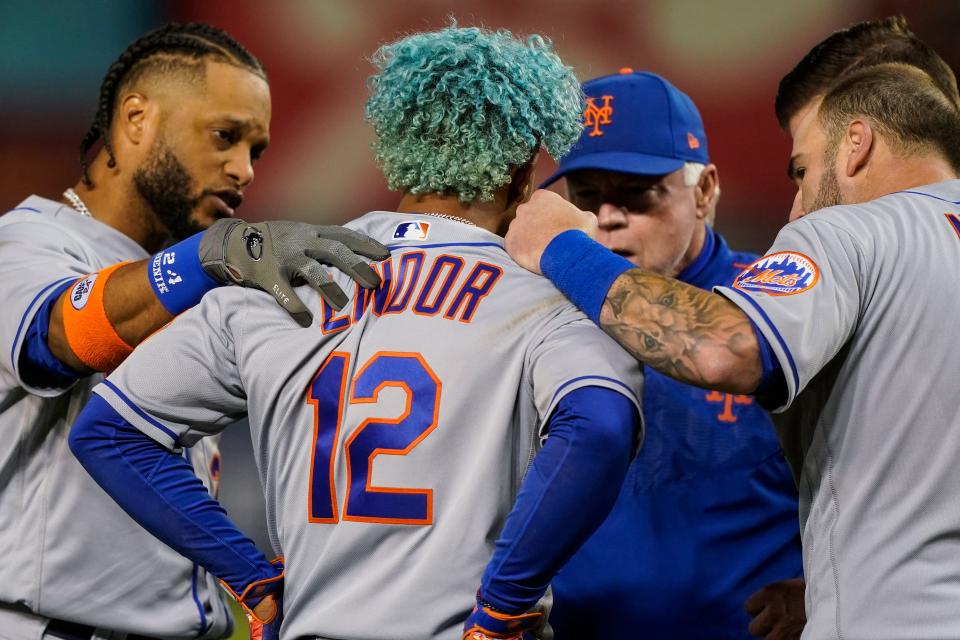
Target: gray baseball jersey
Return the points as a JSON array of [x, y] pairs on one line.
[[66, 549], [857, 303], [392, 436]]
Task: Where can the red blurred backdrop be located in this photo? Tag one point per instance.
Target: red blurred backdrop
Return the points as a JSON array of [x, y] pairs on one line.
[[728, 56]]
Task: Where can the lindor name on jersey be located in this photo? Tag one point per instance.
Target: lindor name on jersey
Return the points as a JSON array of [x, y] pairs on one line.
[[408, 282]]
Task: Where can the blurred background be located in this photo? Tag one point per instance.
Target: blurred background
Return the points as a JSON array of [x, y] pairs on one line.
[[727, 55]]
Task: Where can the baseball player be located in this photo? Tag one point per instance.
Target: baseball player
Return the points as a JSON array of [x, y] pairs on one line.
[[778, 608], [841, 322], [861, 45], [393, 437], [708, 513], [183, 113]]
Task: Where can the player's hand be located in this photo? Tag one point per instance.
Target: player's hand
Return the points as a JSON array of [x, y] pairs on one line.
[[262, 602], [486, 624], [276, 256], [778, 610], [539, 220]]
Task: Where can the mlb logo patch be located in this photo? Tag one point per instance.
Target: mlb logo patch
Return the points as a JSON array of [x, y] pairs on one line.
[[81, 292], [779, 274], [416, 230]]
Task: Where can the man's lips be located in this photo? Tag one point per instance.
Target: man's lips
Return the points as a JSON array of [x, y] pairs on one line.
[[227, 201]]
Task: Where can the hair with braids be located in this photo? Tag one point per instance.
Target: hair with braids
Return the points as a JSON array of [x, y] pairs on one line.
[[170, 48], [456, 111]]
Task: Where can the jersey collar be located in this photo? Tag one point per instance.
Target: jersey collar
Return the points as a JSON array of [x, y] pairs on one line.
[[698, 267]]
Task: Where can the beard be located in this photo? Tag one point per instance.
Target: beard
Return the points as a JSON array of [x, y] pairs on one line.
[[828, 192], [166, 186]]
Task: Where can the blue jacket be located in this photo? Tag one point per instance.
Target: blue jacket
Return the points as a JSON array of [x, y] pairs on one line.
[[707, 515]]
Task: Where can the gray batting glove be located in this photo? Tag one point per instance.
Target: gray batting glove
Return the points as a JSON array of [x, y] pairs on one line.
[[276, 256]]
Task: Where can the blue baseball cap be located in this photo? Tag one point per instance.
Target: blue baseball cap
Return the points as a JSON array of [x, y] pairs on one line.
[[636, 122]]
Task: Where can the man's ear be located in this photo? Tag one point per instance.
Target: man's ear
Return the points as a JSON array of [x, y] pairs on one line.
[[706, 190], [132, 117], [857, 145], [135, 124]]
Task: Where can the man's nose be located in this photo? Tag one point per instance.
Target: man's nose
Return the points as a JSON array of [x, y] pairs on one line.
[[611, 217], [240, 168], [796, 210]]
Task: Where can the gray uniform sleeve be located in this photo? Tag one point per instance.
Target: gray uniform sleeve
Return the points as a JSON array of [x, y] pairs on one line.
[[571, 352], [183, 383], [36, 257], [804, 296]]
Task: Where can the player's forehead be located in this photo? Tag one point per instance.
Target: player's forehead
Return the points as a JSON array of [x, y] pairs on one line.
[[237, 92], [806, 131], [218, 92]]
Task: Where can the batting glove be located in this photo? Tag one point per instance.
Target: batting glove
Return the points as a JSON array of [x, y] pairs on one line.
[[486, 623], [276, 256], [262, 602]]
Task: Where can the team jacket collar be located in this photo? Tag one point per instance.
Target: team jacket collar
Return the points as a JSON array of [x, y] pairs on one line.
[[714, 255]]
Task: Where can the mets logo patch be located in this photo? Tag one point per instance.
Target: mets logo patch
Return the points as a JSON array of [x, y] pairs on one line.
[[595, 115], [779, 274], [81, 292], [416, 230]]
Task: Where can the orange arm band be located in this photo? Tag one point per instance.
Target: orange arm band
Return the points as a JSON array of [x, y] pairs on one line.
[[88, 330]]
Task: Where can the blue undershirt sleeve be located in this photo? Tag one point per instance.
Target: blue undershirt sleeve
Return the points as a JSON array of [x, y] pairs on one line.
[[38, 366], [159, 490], [569, 490], [772, 390]]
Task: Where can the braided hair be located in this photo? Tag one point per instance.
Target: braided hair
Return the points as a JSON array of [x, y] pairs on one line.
[[165, 49]]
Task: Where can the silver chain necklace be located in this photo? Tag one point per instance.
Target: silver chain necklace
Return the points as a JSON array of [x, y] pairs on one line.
[[448, 217], [77, 203]]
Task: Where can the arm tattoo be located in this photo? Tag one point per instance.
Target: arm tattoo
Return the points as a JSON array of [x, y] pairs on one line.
[[687, 333]]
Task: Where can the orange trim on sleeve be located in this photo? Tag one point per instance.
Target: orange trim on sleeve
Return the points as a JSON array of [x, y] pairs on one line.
[[259, 589], [89, 332]]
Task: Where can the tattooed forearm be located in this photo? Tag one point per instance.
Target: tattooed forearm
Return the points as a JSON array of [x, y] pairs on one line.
[[687, 333]]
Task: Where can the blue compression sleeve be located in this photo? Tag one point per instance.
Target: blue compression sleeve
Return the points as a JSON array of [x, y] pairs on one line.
[[160, 491], [38, 365], [772, 390], [572, 485], [583, 269]]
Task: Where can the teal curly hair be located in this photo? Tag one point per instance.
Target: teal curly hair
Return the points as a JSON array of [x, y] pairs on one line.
[[457, 110]]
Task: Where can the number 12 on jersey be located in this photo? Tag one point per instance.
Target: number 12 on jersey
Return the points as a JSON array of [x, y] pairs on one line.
[[362, 501]]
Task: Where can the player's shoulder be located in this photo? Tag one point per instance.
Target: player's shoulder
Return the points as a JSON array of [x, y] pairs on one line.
[[45, 223], [232, 301], [368, 221], [34, 213], [937, 196], [390, 227], [404, 232], [888, 210], [852, 225], [238, 310], [37, 222]]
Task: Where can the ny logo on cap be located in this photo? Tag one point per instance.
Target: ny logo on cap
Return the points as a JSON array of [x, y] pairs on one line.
[[594, 116]]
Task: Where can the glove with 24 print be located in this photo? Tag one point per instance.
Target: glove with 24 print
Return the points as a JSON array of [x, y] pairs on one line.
[[276, 256]]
